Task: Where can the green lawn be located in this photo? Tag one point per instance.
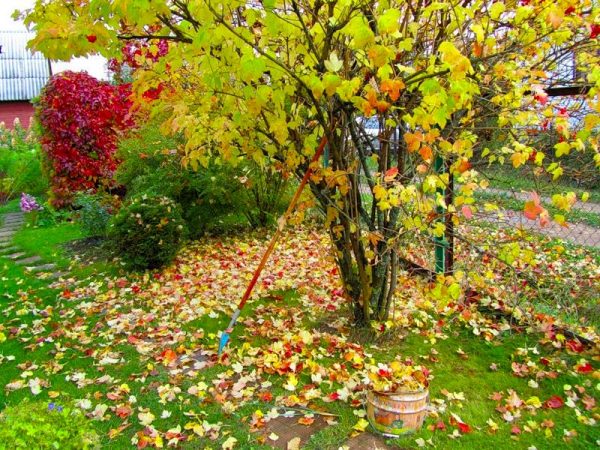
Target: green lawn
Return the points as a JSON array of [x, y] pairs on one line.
[[463, 364]]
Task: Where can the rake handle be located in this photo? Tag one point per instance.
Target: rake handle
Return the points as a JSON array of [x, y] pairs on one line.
[[279, 230]]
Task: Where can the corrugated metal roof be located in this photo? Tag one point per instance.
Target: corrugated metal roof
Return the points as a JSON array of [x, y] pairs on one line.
[[22, 73]]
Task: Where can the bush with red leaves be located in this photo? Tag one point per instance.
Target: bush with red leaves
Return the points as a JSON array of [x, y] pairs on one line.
[[81, 119]]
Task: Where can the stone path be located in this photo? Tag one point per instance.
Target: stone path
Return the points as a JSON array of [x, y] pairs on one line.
[[11, 223]]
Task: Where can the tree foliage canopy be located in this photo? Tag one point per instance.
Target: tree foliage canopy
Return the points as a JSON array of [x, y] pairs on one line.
[[265, 79]]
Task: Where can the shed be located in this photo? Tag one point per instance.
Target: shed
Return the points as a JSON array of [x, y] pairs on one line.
[[22, 76]]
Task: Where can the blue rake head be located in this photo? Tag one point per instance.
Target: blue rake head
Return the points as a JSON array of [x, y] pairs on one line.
[[223, 341]]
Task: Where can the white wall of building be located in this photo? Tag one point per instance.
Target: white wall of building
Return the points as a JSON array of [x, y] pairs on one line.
[[94, 65]]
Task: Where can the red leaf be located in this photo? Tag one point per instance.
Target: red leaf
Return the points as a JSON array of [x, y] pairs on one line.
[[168, 356], [533, 208], [554, 402], [334, 396], [575, 346], [123, 411], [584, 368], [91, 38], [515, 430], [266, 397], [467, 212], [390, 174], [463, 427], [595, 31], [440, 425]]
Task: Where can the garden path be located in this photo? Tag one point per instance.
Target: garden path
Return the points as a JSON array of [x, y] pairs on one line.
[[11, 223]]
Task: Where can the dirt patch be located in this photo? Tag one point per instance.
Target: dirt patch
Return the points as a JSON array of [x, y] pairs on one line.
[[289, 432], [368, 441]]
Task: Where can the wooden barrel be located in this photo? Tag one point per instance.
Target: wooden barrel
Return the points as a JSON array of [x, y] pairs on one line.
[[397, 413]]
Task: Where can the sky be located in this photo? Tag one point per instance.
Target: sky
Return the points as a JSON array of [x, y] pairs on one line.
[[95, 66]]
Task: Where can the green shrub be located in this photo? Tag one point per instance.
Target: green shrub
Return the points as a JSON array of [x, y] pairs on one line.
[[264, 195], [38, 425], [147, 232], [95, 211], [213, 198]]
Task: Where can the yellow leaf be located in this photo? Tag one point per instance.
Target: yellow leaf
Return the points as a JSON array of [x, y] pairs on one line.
[[379, 192], [229, 443], [555, 16], [534, 401], [496, 9], [294, 444], [361, 425], [562, 148], [518, 159]]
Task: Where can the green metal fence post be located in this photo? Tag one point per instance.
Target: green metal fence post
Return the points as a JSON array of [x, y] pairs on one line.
[[440, 242]]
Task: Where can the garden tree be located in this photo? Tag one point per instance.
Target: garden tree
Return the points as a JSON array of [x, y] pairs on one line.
[[266, 79], [80, 119]]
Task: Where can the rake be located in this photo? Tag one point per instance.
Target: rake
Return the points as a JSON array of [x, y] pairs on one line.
[[226, 334]]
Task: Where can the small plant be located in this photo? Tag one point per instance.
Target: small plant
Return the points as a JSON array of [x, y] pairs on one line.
[[39, 425], [147, 232], [20, 162], [31, 207], [95, 212], [398, 376]]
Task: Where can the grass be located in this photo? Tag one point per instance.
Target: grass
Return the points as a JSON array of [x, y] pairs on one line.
[[11, 206], [468, 372]]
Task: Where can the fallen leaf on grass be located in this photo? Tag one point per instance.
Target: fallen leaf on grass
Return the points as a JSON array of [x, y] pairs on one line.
[[361, 425], [229, 443], [554, 402]]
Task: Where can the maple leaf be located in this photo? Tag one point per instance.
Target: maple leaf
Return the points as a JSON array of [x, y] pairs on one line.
[[458, 422], [513, 401], [426, 153], [583, 366], [589, 402], [306, 420], [533, 209], [123, 411], [361, 425], [496, 396], [390, 174], [575, 346], [146, 418], [554, 402], [413, 140], [229, 444], [168, 356]]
